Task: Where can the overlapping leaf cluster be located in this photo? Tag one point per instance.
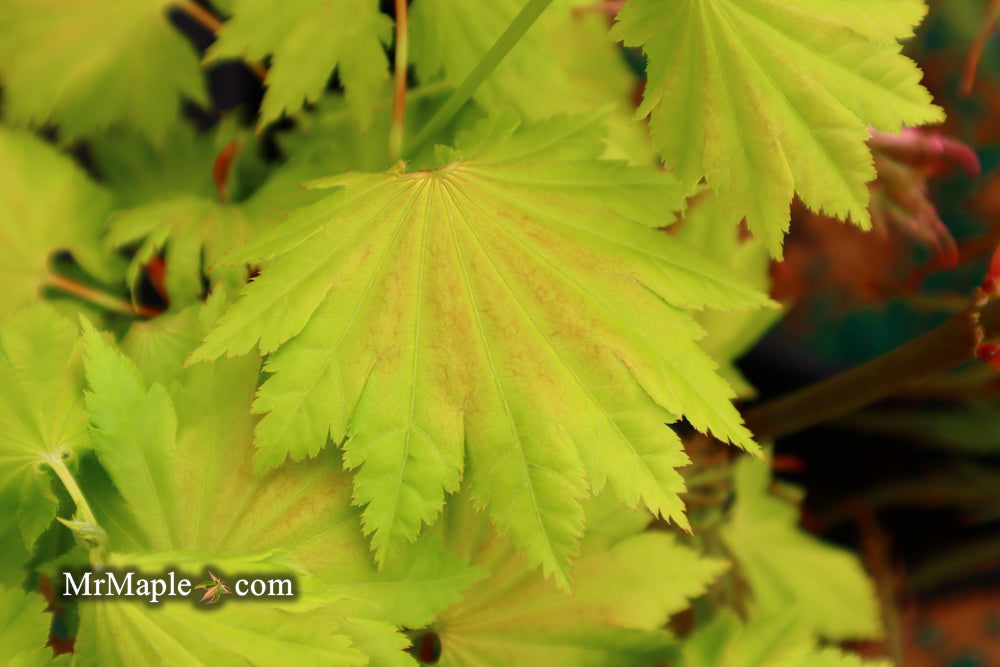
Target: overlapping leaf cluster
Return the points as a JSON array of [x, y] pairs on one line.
[[444, 400]]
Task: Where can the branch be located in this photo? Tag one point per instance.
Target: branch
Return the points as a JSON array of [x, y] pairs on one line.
[[951, 344], [399, 81], [99, 298]]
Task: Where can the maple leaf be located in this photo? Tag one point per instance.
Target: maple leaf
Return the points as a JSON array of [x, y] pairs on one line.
[[43, 417], [192, 442], [488, 306], [307, 40], [137, 170], [186, 217], [729, 335], [778, 640], [214, 589], [777, 98], [567, 54], [91, 63], [24, 627], [449, 38], [780, 561], [626, 584], [47, 204]]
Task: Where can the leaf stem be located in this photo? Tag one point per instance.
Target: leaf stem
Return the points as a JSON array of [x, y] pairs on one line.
[[212, 23], [396, 130], [505, 42], [99, 298], [72, 488], [935, 352]]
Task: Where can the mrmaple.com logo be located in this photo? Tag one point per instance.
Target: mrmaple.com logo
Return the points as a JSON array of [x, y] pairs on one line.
[[134, 585]]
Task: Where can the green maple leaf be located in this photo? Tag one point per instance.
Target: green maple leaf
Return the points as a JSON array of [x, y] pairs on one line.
[[47, 205], [488, 307], [173, 208], [307, 40], [730, 335], [87, 64], [769, 641], [781, 562], [766, 99], [448, 38], [24, 627], [566, 54], [594, 76], [138, 171], [42, 412], [307, 630], [330, 139], [626, 584], [179, 490]]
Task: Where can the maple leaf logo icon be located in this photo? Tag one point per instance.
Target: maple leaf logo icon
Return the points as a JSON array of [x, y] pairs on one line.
[[214, 590]]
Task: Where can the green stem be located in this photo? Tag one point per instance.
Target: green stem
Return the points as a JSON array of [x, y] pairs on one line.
[[511, 36], [72, 488], [397, 128]]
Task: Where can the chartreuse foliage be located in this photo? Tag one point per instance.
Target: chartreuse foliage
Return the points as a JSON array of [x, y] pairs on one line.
[[778, 98], [781, 562], [730, 334], [175, 487], [187, 497], [626, 584], [187, 219], [90, 63], [427, 314], [444, 402], [769, 641], [43, 416], [24, 628], [47, 204], [308, 39]]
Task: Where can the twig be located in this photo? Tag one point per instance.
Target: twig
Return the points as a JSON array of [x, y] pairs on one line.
[[937, 351], [205, 18], [398, 126], [99, 298], [990, 23], [212, 23]]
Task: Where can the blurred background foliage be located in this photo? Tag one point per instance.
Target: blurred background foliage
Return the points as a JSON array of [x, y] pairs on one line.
[[913, 482]]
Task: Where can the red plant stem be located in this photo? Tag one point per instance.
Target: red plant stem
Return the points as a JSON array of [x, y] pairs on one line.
[[211, 22], [937, 351], [99, 298]]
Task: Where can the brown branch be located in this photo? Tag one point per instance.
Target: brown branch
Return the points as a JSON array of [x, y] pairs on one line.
[[212, 23], [935, 352], [99, 298]]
